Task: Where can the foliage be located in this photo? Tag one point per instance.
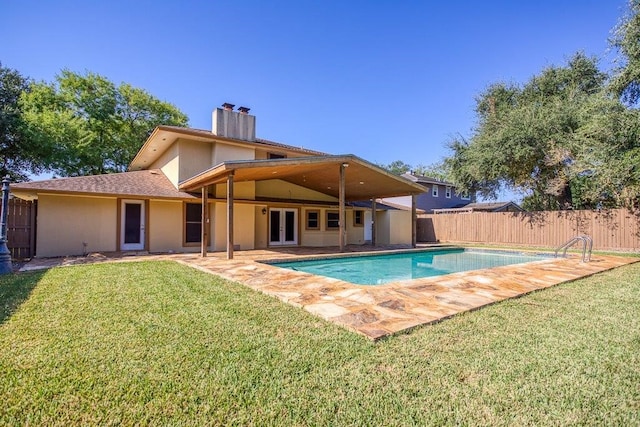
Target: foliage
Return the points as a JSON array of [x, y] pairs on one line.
[[90, 125], [397, 167], [434, 170], [626, 39], [439, 170], [162, 344], [18, 157], [559, 139]]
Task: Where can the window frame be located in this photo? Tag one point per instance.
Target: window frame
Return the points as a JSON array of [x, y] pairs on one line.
[[447, 192], [327, 220], [185, 222], [434, 190], [306, 219], [355, 222]]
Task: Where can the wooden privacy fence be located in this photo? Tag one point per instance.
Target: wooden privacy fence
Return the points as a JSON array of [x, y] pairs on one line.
[[21, 228], [616, 229]]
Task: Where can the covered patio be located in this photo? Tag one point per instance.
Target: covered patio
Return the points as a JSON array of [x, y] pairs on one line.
[[345, 177]]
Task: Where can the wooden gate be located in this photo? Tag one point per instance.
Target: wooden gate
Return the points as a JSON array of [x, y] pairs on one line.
[[21, 228]]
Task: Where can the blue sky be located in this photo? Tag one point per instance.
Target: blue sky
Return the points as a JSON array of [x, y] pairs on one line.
[[384, 80]]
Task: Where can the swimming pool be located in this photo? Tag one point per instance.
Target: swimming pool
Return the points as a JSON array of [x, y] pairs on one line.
[[381, 269]]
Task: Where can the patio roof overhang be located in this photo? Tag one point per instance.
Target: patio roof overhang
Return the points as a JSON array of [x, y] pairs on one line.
[[362, 180]]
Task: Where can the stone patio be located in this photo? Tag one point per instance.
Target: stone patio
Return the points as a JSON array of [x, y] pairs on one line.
[[373, 311]]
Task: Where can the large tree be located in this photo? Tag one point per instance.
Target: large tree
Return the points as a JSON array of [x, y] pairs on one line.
[[560, 139], [18, 157], [89, 125], [626, 40]]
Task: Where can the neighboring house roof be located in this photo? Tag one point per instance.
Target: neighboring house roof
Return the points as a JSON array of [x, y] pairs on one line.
[[420, 179], [363, 180], [163, 137], [366, 204], [483, 207], [400, 207], [147, 183]]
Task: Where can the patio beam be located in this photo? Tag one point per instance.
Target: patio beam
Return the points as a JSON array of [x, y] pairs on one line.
[[204, 232], [414, 221], [230, 216], [342, 214]]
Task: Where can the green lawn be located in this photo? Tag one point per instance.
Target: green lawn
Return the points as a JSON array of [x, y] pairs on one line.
[[160, 343]]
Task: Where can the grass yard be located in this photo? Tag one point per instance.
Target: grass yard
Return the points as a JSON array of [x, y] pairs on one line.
[[160, 343]]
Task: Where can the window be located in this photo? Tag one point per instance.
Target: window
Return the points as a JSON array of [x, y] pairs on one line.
[[447, 192], [313, 220], [333, 220], [276, 156], [465, 196], [192, 223], [358, 218], [434, 191]]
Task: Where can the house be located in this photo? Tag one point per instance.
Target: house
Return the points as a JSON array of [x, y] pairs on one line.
[[483, 207], [436, 194], [224, 189]]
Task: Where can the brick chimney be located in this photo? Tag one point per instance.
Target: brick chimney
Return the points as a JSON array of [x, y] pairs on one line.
[[234, 124]]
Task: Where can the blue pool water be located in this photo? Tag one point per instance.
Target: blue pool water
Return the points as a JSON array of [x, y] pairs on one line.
[[381, 269]]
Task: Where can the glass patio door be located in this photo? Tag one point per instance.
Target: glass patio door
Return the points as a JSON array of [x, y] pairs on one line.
[[283, 227]]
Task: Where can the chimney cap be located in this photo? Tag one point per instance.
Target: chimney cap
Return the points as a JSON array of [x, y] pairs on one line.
[[244, 110], [228, 106]]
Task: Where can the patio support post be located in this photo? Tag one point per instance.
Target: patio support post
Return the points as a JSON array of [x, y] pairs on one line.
[[414, 221], [373, 221], [342, 213], [230, 216], [204, 236]]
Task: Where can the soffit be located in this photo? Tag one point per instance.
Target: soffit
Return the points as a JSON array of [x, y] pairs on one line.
[[363, 180]]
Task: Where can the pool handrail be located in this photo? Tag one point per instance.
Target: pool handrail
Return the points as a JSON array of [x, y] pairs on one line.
[[587, 247]]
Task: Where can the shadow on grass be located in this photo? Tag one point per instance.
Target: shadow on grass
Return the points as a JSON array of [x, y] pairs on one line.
[[15, 288]]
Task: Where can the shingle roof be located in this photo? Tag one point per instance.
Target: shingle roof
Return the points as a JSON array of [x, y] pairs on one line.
[[209, 134], [145, 183], [420, 179]]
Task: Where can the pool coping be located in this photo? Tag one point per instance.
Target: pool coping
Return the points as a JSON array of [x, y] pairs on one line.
[[377, 312]]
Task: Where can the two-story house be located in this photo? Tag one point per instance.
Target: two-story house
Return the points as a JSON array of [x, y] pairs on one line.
[[224, 189], [436, 194]]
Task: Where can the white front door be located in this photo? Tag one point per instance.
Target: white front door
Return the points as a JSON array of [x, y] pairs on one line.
[[132, 225], [367, 226], [283, 227]]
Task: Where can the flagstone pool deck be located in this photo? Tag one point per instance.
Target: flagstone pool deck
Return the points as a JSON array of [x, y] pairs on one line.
[[375, 311]]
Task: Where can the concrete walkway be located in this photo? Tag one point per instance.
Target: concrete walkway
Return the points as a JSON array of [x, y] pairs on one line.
[[375, 311]]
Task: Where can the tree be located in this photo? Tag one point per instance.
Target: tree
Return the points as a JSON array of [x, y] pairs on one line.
[[439, 170], [91, 126], [559, 139], [626, 39], [18, 158], [397, 167]]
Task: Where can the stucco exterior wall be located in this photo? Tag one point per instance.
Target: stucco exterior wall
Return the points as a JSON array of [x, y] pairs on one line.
[[261, 227], [195, 157], [169, 164], [399, 227], [241, 190], [279, 189], [243, 226], [394, 227], [222, 152], [166, 227], [65, 223]]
